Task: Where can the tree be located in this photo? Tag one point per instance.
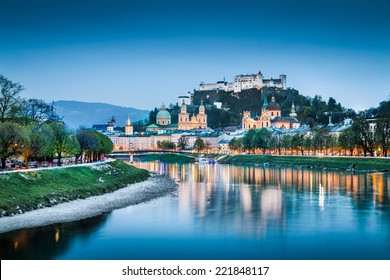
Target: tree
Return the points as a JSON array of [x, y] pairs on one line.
[[286, 142], [167, 145], [199, 145], [235, 144], [182, 142], [276, 142], [38, 142], [9, 97], [11, 141], [319, 140], [72, 147], [347, 140], [297, 142], [331, 143], [36, 111], [89, 143], [382, 130], [261, 139], [307, 143], [363, 135], [106, 146], [60, 137], [247, 139]]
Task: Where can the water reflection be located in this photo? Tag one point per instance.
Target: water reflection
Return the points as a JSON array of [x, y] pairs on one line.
[[365, 189], [230, 212], [49, 241]]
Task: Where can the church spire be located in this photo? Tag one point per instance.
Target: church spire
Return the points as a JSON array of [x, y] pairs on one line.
[[293, 114], [265, 103]]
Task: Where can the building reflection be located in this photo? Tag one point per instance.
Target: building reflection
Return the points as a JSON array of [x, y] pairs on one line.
[[249, 200]]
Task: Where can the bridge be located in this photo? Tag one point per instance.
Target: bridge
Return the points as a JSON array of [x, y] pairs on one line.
[[139, 153]]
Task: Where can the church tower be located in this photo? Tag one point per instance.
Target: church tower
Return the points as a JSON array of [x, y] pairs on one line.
[[183, 117], [202, 117], [128, 127]]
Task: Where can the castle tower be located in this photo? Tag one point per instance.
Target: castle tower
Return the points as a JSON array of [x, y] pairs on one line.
[[293, 114], [128, 127], [283, 78]]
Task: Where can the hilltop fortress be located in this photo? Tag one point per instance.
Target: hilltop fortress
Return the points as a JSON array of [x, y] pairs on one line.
[[242, 82]]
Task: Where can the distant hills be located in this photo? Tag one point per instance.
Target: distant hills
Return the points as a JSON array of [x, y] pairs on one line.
[[77, 113]]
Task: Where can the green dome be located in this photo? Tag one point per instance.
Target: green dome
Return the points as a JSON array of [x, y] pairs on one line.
[[163, 114]]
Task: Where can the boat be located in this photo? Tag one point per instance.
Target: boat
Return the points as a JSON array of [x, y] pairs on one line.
[[203, 161]]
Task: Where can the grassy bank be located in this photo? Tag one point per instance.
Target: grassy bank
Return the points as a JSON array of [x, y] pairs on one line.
[[168, 158], [363, 164], [24, 191]]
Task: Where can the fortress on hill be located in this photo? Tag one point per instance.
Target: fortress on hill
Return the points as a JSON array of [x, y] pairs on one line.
[[242, 82]]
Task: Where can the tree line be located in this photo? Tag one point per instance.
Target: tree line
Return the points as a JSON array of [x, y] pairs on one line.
[[360, 138], [30, 128]]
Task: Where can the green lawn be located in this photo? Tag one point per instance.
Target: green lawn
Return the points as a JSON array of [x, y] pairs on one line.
[[24, 191], [169, 158], [370, 164]]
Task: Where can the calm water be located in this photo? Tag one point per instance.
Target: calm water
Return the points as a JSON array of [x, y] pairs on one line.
[[230, 212]]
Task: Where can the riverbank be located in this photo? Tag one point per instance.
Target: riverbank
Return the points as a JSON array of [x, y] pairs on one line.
[[155, 186], [25, 191], [168, 158], [337, 163]]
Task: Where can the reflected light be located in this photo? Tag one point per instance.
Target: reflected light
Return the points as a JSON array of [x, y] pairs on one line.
[[57, 235], [321, 198]]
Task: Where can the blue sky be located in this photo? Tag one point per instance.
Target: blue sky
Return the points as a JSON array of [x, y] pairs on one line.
[[141, 53]]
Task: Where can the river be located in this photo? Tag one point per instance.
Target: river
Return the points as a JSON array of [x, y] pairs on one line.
[[230, 212]]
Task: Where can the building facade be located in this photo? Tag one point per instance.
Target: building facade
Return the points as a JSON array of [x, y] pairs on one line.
[[270, 117], [243, 82], [185, 122]]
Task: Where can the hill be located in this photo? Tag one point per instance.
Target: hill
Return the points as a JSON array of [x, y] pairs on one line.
[[310, 110], [77, 113]]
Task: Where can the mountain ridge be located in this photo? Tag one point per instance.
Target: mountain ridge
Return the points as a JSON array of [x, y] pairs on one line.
[[85, 114]]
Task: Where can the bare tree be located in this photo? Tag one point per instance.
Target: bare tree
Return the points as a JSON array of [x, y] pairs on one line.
[[9, 97], [11, 141], [182, 142]]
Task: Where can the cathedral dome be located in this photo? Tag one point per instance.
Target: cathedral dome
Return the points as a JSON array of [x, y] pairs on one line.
[[163, 113], [273, 105]]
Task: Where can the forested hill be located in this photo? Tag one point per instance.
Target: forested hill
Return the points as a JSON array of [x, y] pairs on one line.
[[76, 113], [310, 110]]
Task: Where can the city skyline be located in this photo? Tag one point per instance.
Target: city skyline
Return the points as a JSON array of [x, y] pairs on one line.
[[118, 51]]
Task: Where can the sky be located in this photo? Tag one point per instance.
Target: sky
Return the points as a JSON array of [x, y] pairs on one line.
[[142, 53]]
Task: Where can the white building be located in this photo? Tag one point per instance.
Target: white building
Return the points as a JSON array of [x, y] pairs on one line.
[[186, 99], [243, 82]]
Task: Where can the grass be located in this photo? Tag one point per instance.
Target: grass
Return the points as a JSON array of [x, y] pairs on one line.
[[24, 191], [168, 158], [364, 164]]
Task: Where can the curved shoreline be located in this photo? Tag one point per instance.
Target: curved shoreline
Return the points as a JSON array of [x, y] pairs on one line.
[[365, 165], [154, 187]]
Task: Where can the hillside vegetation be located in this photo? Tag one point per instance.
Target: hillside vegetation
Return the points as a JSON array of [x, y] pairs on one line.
[[310, 110], [25, 191]]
